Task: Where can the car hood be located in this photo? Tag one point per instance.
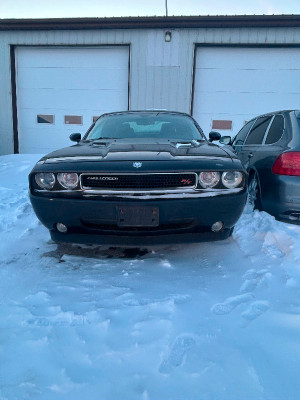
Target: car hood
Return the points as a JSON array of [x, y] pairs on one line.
[[125, 150]]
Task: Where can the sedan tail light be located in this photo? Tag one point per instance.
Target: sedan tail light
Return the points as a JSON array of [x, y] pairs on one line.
[[287, 164]]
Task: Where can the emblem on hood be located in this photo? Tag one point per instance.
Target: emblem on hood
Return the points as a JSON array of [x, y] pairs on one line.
[[137, 164]]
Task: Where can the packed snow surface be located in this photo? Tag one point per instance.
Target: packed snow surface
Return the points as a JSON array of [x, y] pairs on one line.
[[207, 321]]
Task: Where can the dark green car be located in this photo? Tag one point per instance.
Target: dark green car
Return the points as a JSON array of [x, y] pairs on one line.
[[139, 178]]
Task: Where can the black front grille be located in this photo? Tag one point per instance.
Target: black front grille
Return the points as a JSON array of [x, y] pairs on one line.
[[138, 181]]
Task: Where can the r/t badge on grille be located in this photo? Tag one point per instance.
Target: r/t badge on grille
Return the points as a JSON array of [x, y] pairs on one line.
[[137, 164]]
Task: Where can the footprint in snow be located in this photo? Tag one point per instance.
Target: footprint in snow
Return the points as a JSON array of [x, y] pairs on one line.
[[182, 345], [231, 303], [256, 309], [253, 278]]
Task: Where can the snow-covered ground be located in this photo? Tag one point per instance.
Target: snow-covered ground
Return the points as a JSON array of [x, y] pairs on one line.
[[208, 321]]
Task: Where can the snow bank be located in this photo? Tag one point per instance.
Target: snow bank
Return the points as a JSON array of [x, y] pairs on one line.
[[208, 321]]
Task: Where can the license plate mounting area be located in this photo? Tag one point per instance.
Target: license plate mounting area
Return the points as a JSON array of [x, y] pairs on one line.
[[137, 216]]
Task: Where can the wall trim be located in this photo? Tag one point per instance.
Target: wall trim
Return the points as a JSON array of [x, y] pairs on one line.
[[161, 22]]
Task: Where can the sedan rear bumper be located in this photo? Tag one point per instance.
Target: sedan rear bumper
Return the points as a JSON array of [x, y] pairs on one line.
[[95, 220]]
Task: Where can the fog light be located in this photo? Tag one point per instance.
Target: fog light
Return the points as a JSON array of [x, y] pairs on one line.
[[217, 226], [294, 216], [61, 227]]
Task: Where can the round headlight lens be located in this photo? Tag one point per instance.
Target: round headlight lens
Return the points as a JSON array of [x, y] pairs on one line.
[[45, 180], [209, 179], [232, 179], [68, 180]]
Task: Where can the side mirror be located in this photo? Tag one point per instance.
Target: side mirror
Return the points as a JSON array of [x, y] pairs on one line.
[[75, 137], [225, 140], [213, 136]]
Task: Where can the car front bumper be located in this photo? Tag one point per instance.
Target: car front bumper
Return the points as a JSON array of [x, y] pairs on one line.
[[95, 219]]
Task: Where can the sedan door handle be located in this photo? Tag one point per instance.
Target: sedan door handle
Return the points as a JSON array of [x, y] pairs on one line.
[[250, 155]]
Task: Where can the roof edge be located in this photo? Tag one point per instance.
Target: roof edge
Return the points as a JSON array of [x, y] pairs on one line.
[[173, 22]]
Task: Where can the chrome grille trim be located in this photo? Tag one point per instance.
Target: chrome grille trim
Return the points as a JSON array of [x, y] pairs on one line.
[[142, 195], [155, 194]]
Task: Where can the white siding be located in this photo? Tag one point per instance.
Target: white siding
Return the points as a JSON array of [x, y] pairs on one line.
[[151, 86]]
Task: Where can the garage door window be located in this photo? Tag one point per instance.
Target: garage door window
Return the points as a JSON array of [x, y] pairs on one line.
[[45, 119], [276, 130], [258, 131], [73, 119]]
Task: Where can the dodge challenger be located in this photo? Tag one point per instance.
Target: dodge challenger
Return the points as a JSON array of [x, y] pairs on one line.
[[139, 177]]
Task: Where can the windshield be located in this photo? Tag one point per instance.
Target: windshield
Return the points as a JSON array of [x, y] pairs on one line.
[[145, 125]]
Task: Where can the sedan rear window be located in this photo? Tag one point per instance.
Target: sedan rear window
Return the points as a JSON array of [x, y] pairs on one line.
[[145, 125], [276, 130]]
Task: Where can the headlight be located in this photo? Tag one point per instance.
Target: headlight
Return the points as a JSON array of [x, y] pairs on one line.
[[45, 180], [232, 179], [68, 180], [209, 179]]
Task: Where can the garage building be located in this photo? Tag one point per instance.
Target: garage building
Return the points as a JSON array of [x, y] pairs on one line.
[[58, 75]]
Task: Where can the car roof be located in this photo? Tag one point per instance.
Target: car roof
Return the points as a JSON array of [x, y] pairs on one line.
[[276, 112], [297, 112], [153, 111]]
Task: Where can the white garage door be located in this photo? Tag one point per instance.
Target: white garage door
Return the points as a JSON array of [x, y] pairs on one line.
[[61, 90], [232, 85]]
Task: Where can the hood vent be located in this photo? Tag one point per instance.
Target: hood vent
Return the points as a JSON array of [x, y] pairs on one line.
[[99, 144], [192, 143]]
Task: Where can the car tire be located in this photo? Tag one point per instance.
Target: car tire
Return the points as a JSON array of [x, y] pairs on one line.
[[254, 198], [231, 231]]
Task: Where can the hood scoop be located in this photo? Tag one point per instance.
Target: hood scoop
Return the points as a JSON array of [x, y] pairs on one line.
[[99, 144], [192, 143]]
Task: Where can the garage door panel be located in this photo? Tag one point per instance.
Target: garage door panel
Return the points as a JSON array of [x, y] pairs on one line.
[[28, 119], [45, 140], [82, 99], [208, 102], [237, 123], [237, 84], [47, 137], [77, 81], [74, 78], [245, 81], [247, 58], [245, 101], [71, 57]]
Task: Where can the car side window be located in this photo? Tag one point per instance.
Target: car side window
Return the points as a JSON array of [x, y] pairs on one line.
[[276, 130], [241, 136], [258, 131]]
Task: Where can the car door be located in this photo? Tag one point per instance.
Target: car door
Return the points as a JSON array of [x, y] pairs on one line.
[[272, 146], [252, 149]]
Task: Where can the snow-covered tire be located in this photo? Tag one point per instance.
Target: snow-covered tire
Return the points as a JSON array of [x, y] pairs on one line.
[[254, 198]]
